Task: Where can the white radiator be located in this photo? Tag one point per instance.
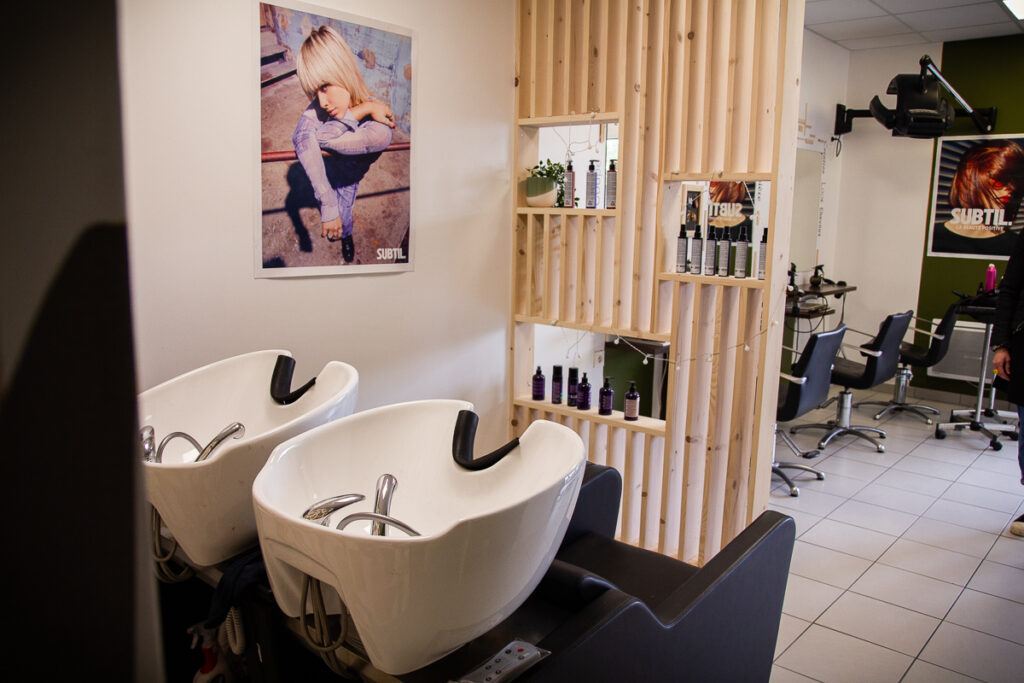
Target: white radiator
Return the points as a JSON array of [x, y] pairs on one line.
[[963, 358]]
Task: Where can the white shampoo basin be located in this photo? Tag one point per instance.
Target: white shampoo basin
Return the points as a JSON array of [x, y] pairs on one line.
[[487, 536], [207, 506]]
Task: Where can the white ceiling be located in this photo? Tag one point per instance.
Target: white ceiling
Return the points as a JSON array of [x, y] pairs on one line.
[[866, 24]]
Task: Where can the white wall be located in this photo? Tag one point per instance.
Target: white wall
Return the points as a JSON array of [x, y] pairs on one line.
[[883, 203], [190, 125]]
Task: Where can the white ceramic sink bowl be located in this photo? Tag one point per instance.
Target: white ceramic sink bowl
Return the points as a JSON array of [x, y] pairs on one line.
[[207, 506], [487, 536]]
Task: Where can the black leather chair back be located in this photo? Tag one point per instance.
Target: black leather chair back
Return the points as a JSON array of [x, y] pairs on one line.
[[876, 369], [815, 363], [938, 347]]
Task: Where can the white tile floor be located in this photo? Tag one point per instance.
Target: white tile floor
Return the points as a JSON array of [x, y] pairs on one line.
[[904, 568]]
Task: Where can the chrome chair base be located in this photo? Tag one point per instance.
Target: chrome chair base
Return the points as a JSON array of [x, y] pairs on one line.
[[841, 425], [898, 403], [777, 467]]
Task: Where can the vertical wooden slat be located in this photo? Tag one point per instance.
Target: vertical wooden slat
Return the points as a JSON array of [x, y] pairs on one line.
[[531, 258], [717, 465], [599, 443], [521, 284], [617, 458], [679, 381], [741, 100], [718, 86], [698, 64], [598, 55], [544, 14], [635, 458], [675, 86], [580, 69], [654, 506], [561, 55], [644, 264], [545, 268], [740, 455], [698, 433], [609, 259], [768, 79], [630, 158], [588, 293]]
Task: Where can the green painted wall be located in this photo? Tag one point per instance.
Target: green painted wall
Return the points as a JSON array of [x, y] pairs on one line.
[[986, 73]]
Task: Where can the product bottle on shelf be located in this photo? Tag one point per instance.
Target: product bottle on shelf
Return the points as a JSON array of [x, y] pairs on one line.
[[569, 186], [742, 253], [556, 384], [696, 247], [583, 394], [538, 385], [990, 277], [609, 186], [711, 252], [591, 197], [571, 389], [606, 398], [762, 254], [631, 403], [724, 249], [682, 251]]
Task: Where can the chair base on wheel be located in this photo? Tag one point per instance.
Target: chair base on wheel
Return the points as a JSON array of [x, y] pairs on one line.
[[841, 425], [777, 467], [898, 403]]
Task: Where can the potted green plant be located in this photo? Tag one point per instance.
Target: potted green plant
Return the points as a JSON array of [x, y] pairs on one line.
[[545, 185]]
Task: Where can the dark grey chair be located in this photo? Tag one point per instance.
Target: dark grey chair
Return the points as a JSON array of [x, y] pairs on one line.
[[882, 354], [804, 389], [920, 357]]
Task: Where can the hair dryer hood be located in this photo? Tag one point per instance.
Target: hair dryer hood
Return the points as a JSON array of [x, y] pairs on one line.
[[921, 111]]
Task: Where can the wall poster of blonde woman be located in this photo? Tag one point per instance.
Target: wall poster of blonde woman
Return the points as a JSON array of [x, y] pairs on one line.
[[976, 194], [335, 143]]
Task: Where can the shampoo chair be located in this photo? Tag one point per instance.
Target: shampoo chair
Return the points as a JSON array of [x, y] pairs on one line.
[[608, 611]]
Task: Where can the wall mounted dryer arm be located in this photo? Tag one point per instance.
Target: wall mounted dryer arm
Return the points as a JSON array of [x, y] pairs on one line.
[[977, 115], [462, 444], [281, 382]]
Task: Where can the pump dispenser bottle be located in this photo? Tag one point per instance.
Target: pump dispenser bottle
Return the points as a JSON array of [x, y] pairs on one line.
[[762, 254], [990, 277], [606, 398], [696, 246], [538, 385], [609, 186], [574, 375], [724, 249], [711, 252], [569, 186], [591, 198], [583, 394], [631, 403], [742, 254], [556, 384], [682, 250]]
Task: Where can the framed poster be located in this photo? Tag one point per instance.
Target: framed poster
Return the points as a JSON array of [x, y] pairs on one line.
[[335, 142], [976, 194]]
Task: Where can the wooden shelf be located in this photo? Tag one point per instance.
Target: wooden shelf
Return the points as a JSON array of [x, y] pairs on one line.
[[748, 282], [559, 210], [594, 117], [643, 424], [718, 175], [598, 329]]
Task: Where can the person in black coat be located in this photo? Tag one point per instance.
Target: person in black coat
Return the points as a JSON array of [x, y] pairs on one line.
[[1008, 344]]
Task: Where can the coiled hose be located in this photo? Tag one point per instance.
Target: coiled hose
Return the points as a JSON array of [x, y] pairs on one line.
[[318, 634], [164, 570]]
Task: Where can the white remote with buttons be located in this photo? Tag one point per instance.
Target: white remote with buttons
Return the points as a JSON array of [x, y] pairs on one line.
[[511, 661]]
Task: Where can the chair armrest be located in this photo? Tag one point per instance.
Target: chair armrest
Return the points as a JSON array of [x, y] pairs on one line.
[[791, 378], [867, 352]]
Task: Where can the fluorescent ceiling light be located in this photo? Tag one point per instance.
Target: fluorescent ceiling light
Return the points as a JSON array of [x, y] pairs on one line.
[[1015, 6]]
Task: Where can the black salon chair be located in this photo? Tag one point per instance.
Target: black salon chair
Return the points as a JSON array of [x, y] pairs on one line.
[[882, 354], [921, 357], [803, 390]]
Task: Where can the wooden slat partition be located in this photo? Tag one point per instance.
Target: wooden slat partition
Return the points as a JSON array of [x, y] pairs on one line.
[[698, 90]]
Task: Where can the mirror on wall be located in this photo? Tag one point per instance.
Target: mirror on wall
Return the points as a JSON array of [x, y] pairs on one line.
[[804, 236]]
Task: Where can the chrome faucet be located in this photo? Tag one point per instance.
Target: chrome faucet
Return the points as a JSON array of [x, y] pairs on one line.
[[236, 429], [148, 438], [322, 510], [386, 485]]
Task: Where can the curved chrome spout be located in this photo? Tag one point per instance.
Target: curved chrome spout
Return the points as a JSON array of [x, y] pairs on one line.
[[322, 510], [174, 435], [386, 485], [235, 430], [377, 519]]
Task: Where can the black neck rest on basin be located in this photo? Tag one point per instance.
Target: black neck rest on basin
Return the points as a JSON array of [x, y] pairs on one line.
[[281, 382], [462, 444]]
